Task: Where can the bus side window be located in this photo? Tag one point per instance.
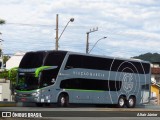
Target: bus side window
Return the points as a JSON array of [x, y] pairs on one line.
[[74, 61]]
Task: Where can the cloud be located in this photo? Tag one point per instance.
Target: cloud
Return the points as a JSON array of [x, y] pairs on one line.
[[132, 26]]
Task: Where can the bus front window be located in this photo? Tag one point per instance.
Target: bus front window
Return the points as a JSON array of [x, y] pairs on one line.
[[48, 77], [27, 82]]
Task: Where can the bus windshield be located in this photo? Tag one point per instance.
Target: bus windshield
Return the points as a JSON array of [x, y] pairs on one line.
[[28, 79], [27, 82], [32, 60]]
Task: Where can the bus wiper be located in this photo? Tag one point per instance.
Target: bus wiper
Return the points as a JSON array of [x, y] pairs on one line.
[[38, 70]]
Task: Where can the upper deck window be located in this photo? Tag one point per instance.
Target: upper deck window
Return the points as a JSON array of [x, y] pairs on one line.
[[32, 60], [42, 58], [98, 63], [88, 62]]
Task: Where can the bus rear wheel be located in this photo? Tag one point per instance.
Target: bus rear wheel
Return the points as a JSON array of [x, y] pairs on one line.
[[63, 100], [131, 102], [121, 102]]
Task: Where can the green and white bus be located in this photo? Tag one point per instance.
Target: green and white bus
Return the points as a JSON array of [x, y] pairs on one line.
[[65, 77]]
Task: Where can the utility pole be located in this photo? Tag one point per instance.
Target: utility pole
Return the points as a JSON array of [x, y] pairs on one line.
[[56, 46], [57, 36], [87, 42], [1, 53]]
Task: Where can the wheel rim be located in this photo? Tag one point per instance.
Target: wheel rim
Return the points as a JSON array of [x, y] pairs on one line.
[[131, 102], [62, 101], [121, 102]]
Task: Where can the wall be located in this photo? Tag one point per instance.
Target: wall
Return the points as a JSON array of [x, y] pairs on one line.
[[155, 94], [14, 60], [5, 90]]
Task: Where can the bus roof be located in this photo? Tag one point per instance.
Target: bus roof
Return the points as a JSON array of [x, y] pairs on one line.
[[93, 55]]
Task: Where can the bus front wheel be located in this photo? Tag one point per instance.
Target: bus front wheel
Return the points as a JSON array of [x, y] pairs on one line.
[[63, 100], [121, 102], [131, 102]]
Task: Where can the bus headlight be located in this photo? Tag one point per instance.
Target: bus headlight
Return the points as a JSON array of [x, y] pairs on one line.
[[35, 94], [15, 93]]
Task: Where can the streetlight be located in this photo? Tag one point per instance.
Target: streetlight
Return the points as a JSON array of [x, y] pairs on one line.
[[58, 38], [71, 20], [96, 43]]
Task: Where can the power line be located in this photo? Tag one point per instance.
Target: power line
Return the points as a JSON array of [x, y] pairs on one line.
[[45, 25], [32, 25], [110, 32]]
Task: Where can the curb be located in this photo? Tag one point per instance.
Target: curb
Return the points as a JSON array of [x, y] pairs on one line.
[[8, 104]]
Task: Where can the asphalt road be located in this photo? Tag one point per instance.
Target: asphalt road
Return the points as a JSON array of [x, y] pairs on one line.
[[83, 112]]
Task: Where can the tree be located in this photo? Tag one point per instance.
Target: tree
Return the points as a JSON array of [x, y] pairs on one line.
[[5, 58], [152, 57], [2, 21], [0, 52]]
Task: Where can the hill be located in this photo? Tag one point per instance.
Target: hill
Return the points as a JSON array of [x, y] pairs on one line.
[[151, 57]]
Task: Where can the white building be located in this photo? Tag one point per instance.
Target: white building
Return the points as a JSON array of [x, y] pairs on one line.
[[14, 61], [5, 92]]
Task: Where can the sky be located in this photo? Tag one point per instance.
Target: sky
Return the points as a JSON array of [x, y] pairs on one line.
[[132, 27]]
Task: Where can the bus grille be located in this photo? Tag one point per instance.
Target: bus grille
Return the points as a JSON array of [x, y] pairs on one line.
[[24, 95]]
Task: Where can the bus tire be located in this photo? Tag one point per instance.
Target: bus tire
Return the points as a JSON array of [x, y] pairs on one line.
[[121, 102], [39, 104], [63, 100], [131, 102], [47, 104]]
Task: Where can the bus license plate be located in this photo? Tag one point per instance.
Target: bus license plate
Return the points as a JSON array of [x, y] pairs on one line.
[[23, 99]]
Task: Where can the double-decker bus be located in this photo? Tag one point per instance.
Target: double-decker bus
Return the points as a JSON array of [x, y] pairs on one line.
[[65, 77]]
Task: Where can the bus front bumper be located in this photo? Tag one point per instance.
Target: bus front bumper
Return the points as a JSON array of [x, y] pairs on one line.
[[24, 98]]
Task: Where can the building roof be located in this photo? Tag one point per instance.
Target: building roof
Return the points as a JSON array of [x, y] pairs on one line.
[[14, 60], [157, 85]]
